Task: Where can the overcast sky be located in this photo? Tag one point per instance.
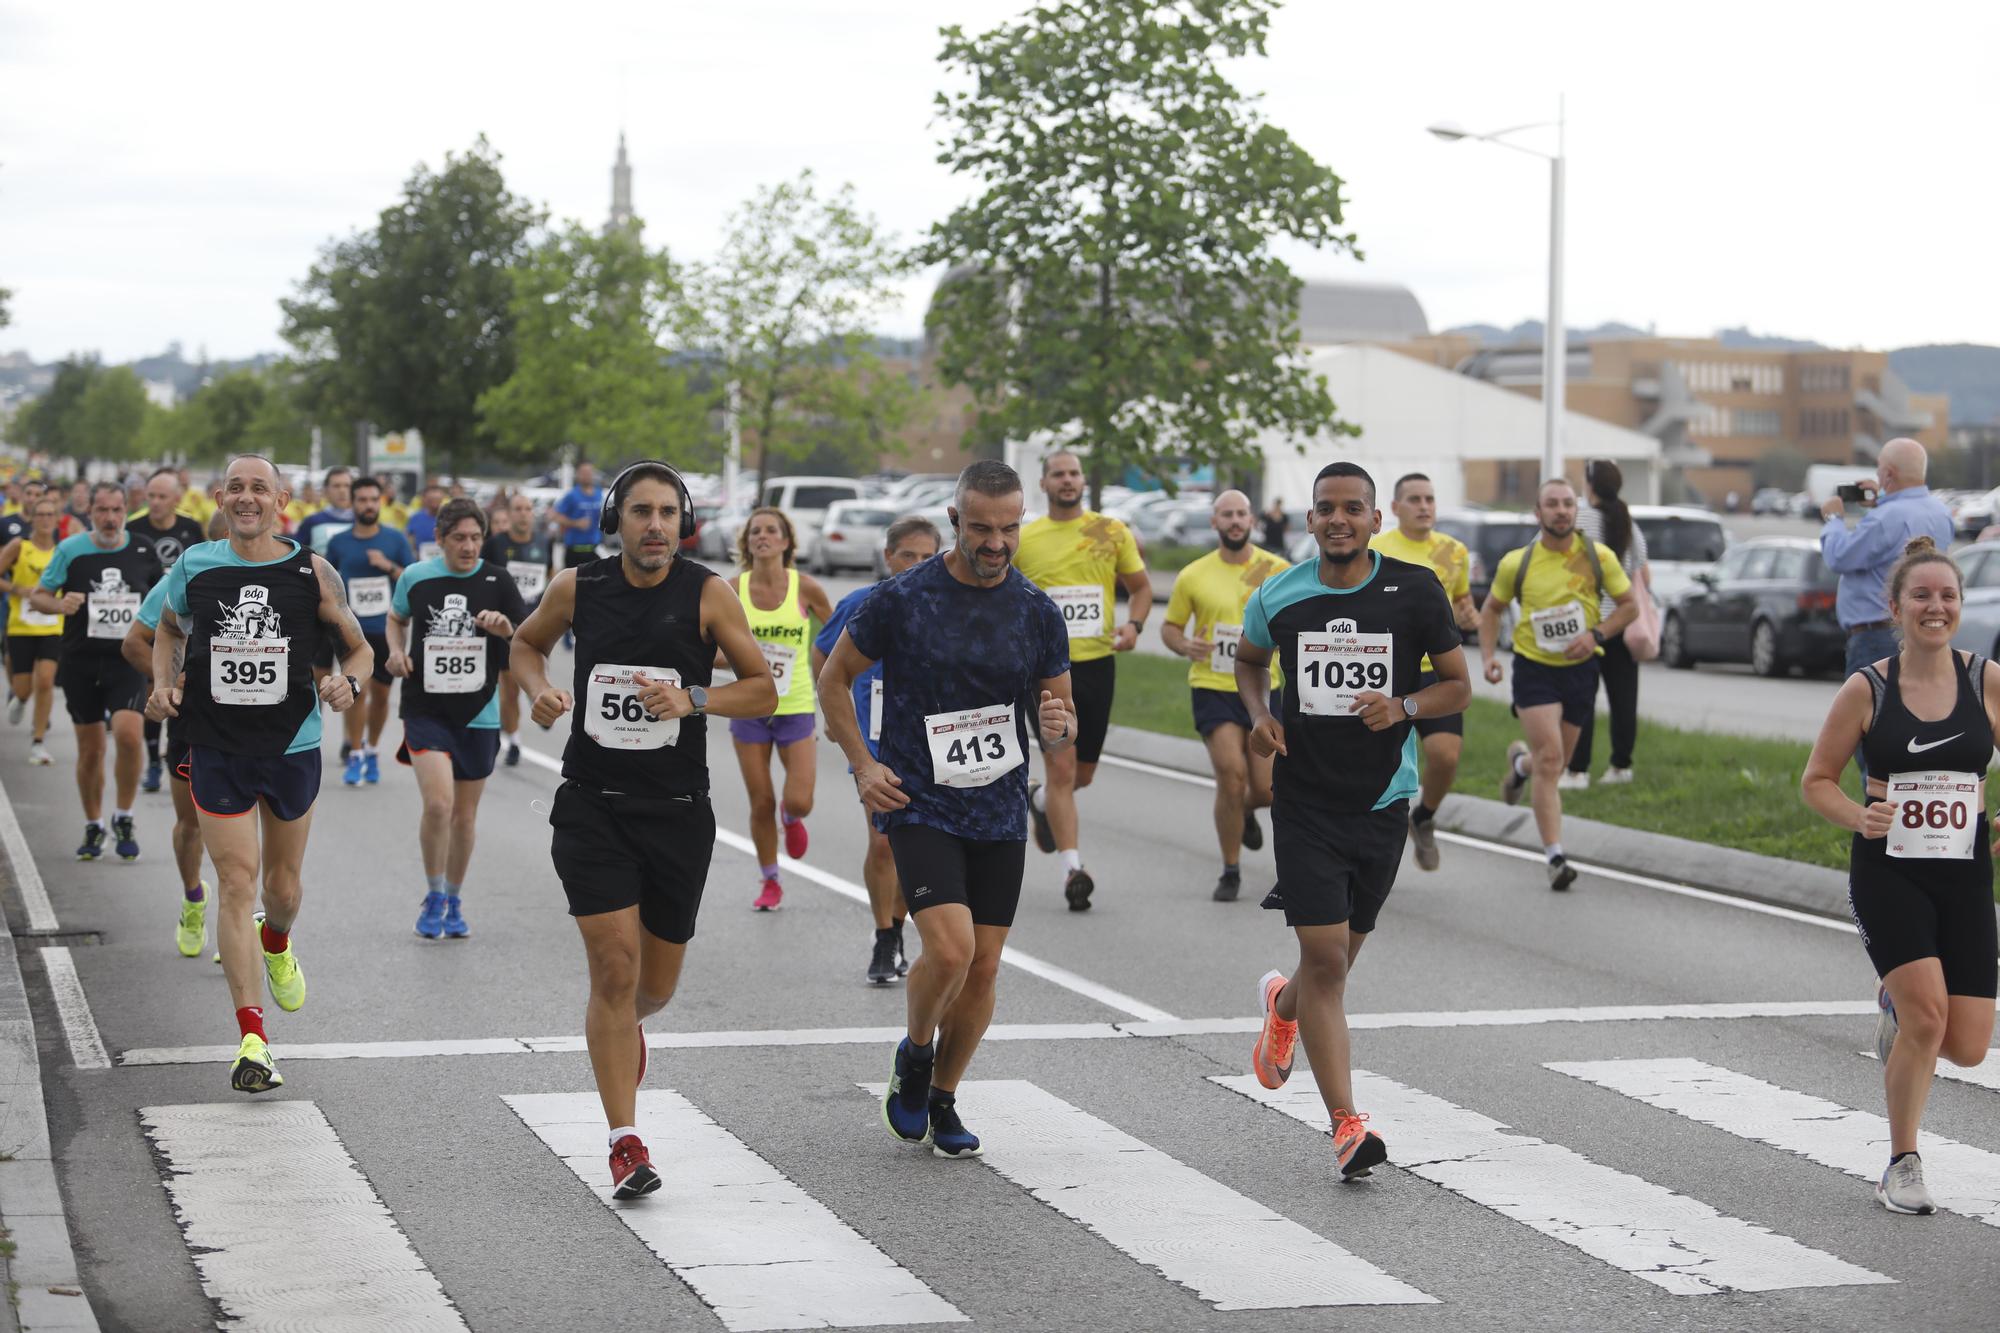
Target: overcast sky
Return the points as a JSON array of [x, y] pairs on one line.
[[1818, 169]]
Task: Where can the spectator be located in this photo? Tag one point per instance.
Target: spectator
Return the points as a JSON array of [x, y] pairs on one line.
[[422, 527], [79, 504], [577, 516], [1274, 525], [1606, 519]]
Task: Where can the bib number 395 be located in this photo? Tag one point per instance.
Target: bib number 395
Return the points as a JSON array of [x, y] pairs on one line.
[[614, 716], [248, 672], [973, 747], [1937, 816]]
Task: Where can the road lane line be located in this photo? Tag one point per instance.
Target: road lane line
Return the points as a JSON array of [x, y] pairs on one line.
[[40, 913], [1675, 1242], [1963, 1179], [759, 1250], [86, 1047], [284, 1230], [1508, 1018], [1228, 1249], [1049, 972]]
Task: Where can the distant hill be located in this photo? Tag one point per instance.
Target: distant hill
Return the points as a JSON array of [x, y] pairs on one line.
[[1766, 341], [1969, 372], [19, 373], [1528, 333]]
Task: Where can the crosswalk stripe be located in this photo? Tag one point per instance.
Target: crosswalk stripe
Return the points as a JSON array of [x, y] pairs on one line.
[[1227, 1249], [1985, 1075], [285, 1230], [758, 1249], [1674, 1242], [1962, 1179]]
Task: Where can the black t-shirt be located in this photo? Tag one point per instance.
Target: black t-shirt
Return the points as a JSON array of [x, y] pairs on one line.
[[253, 633], [527, 561], [170, 541], [612, 744], [113, 584], [457, 664]]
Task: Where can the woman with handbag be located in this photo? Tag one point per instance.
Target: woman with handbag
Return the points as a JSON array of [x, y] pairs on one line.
[[1606, 519]]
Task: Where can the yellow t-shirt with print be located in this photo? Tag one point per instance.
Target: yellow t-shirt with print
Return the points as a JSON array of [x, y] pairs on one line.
[[1211, 592], [1077, 562], [196, 505], [1445, 556], [1555, 579]]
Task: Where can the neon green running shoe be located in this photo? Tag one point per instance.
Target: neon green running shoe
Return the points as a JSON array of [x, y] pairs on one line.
[[288, 983], [254, 1070], [193, 929]]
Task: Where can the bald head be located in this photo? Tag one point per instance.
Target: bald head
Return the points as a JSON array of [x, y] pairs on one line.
[[1902, 464], [1230, 500], [1231, 519]]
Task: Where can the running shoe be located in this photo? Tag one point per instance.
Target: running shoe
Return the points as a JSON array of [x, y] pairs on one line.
[[352, 777], [906, 1107], [1570, 781], [1424, 840], [346, 749], [949, 1136], [1271, 1058], [15, 708], [1516, 780], [513, 754], [1901, 1189], [795, 839], [93, 843], [771, 897], [1615, 777], [430, 917], [1885, 1023], [151, 782], [288, 982], [1253, 832], [371, 768], [193, 927], [1045, 837], [1227, 886], [1077, 888], [1561, 874], [882, 965], [632, 1172], [254, 1070], [39, 756], [1356, 1148], [454, 920], [127, 837]]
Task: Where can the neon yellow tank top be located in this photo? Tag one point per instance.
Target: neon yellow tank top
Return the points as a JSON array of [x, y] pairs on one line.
[[785, 635], [27, 572]]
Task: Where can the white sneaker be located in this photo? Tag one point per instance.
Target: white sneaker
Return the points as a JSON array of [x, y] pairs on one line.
[[1615, 777], [1573, 781], [38, 755], [15, 708]]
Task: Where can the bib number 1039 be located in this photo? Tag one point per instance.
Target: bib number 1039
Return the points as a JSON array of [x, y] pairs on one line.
[[1337, 669], [1937, 816]]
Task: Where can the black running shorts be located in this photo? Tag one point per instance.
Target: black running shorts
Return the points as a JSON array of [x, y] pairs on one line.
[[614, 851], [24, 650], [95, 687], [1091, 686], [1437, 726], [935, 867], [473, 750], [228, 786], [1336, 867], [380, 644], [1906, 910]]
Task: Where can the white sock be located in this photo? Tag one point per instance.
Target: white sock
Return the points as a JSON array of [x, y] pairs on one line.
[[1039, 798], [367, 750], [620, 1133], [510, 738], [1071, 860], [1521, 769], [1552, 850], [121, 814]]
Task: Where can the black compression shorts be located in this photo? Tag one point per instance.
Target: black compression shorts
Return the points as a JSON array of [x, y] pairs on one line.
[[1906, 910], [936, 867]]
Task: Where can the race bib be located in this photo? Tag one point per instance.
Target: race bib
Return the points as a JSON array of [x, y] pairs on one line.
[[780, 658], [369, 596], [455, 665], [249, 672], [1082, 608], [1937, 816], [429, 551], [613, 716], [30, 616], [1336, 668], [1556, 626], [1222, 658], [973, 747], [875, 709], [530, 577], [111, 613]]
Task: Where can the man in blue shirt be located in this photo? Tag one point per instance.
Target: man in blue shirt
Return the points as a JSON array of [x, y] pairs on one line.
[[577, 515], [369, 559], [1863, 556], [319, 527], [422, 527], [908, 543]]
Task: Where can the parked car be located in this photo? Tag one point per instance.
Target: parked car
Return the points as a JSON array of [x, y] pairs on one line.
[[715, 544], [1768, 602], [851, 535], [1771, 500], [1979, 613], [1680, 541], [805, 501]]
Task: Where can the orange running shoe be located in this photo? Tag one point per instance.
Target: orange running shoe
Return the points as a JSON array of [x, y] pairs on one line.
[[1355, 1147], [1271, 1061]]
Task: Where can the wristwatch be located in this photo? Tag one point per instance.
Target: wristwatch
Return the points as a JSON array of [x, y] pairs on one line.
[[1410, 706], [697, 701], [355, 686], [1598, 635]]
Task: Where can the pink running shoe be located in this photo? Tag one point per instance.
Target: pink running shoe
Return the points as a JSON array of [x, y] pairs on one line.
[[795, 838], [770, 898]]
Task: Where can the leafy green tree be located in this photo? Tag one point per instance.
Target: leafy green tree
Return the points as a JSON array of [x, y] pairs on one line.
[[1113, 281], [6, 317], [49, 423], [107, 417], [593, 315]]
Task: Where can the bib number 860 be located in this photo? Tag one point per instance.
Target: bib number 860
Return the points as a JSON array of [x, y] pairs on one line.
[[247, 673], [970, 750], [1934, 814], [1349, 674]]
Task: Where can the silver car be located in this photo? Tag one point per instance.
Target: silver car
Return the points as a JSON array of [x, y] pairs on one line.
[[1979, 613], [851, 535]]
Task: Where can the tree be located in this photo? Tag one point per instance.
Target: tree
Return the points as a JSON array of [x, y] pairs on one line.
[[106, 419], [787, 305], [1113, 282], [592, 314], [48, 423], [409, 324], [6, 317]]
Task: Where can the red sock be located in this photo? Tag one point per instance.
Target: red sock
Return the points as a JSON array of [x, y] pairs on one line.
[[249, 1020], [275, 941]]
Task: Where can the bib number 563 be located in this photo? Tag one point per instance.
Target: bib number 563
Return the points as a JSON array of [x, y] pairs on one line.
[[622, 708]]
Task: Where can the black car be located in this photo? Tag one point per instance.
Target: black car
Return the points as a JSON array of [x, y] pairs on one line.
[[1767, 602]]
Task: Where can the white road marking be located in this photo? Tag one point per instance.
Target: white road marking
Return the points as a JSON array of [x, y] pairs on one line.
[[1049, 972], [86, 1047], [1227, 1249], [1985, 1075], [41, 914], [1962, 1179], [1507, 1018], [759, 1250], [285, 1231], [1678, 1244]]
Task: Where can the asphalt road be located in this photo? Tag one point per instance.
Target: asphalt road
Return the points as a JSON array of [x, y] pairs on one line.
[[1123, 1187]]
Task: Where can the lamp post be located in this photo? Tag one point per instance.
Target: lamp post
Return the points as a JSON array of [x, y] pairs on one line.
[[1555, 347]]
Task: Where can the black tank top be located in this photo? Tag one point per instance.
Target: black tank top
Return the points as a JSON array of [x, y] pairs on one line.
[[617, 624], [1899, 742]]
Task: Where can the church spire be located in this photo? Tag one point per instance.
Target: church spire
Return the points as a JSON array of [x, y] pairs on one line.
[[621, 188]]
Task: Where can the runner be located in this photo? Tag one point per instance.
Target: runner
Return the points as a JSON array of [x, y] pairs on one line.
[[191, 927], [170, 532], [524, 553], [781, 604], [34, 638], [1208, 598], [1416, 540], [633, 827], [369, 559], [1920, 867], [334, 517], [1076, 556], [1352, 629], [451, 714], [575, 516], [96, 580], [1559, 579], [422, 529], [969, 651], [908, 543], [246, 616]]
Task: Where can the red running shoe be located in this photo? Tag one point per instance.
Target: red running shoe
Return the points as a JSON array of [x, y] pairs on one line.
[[632, 1172], [795, 838], [770, 899]]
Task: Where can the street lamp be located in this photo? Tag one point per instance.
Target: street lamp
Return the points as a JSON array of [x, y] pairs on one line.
[[1555, 349]]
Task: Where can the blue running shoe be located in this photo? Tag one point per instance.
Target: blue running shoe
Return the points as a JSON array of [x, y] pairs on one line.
[[949, 1136], [371, 769], [430, 917], [127, 837], [151, 782], [93, 842], [352, 777], [454, 923], [906, 1108]]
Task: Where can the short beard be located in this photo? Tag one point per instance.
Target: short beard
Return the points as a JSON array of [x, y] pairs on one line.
[[1347, 559], [649, 563], [1236, 545]]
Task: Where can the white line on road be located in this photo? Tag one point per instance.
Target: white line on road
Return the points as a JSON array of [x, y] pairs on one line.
[[284, 1229], [1963, 1179], [1678, 1244], [1509, 1018], [86, 1047], [1049, 972], [41, 915], [1227, 1249], [759, 1250]]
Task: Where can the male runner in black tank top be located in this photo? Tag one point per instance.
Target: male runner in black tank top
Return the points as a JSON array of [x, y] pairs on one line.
[[633, 827]]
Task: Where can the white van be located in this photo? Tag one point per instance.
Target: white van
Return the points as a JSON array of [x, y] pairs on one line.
[[805, 501]]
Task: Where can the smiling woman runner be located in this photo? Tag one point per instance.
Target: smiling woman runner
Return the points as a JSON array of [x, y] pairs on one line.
[[1920, 869]]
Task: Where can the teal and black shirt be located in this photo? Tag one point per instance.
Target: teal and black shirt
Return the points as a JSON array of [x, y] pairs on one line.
[[265, 618], [113, 583], [451, 680]]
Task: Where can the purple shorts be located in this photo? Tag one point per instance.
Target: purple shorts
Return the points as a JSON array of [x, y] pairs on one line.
[[786, 729]]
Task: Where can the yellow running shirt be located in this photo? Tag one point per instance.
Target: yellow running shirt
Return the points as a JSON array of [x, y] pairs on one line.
[[1555, 582], [1446, 556], [1208, 600], [1077, 563], [785, 638], [22, 620]]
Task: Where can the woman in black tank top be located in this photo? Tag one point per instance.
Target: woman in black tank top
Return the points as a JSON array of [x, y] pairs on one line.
[[1920, 877]]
